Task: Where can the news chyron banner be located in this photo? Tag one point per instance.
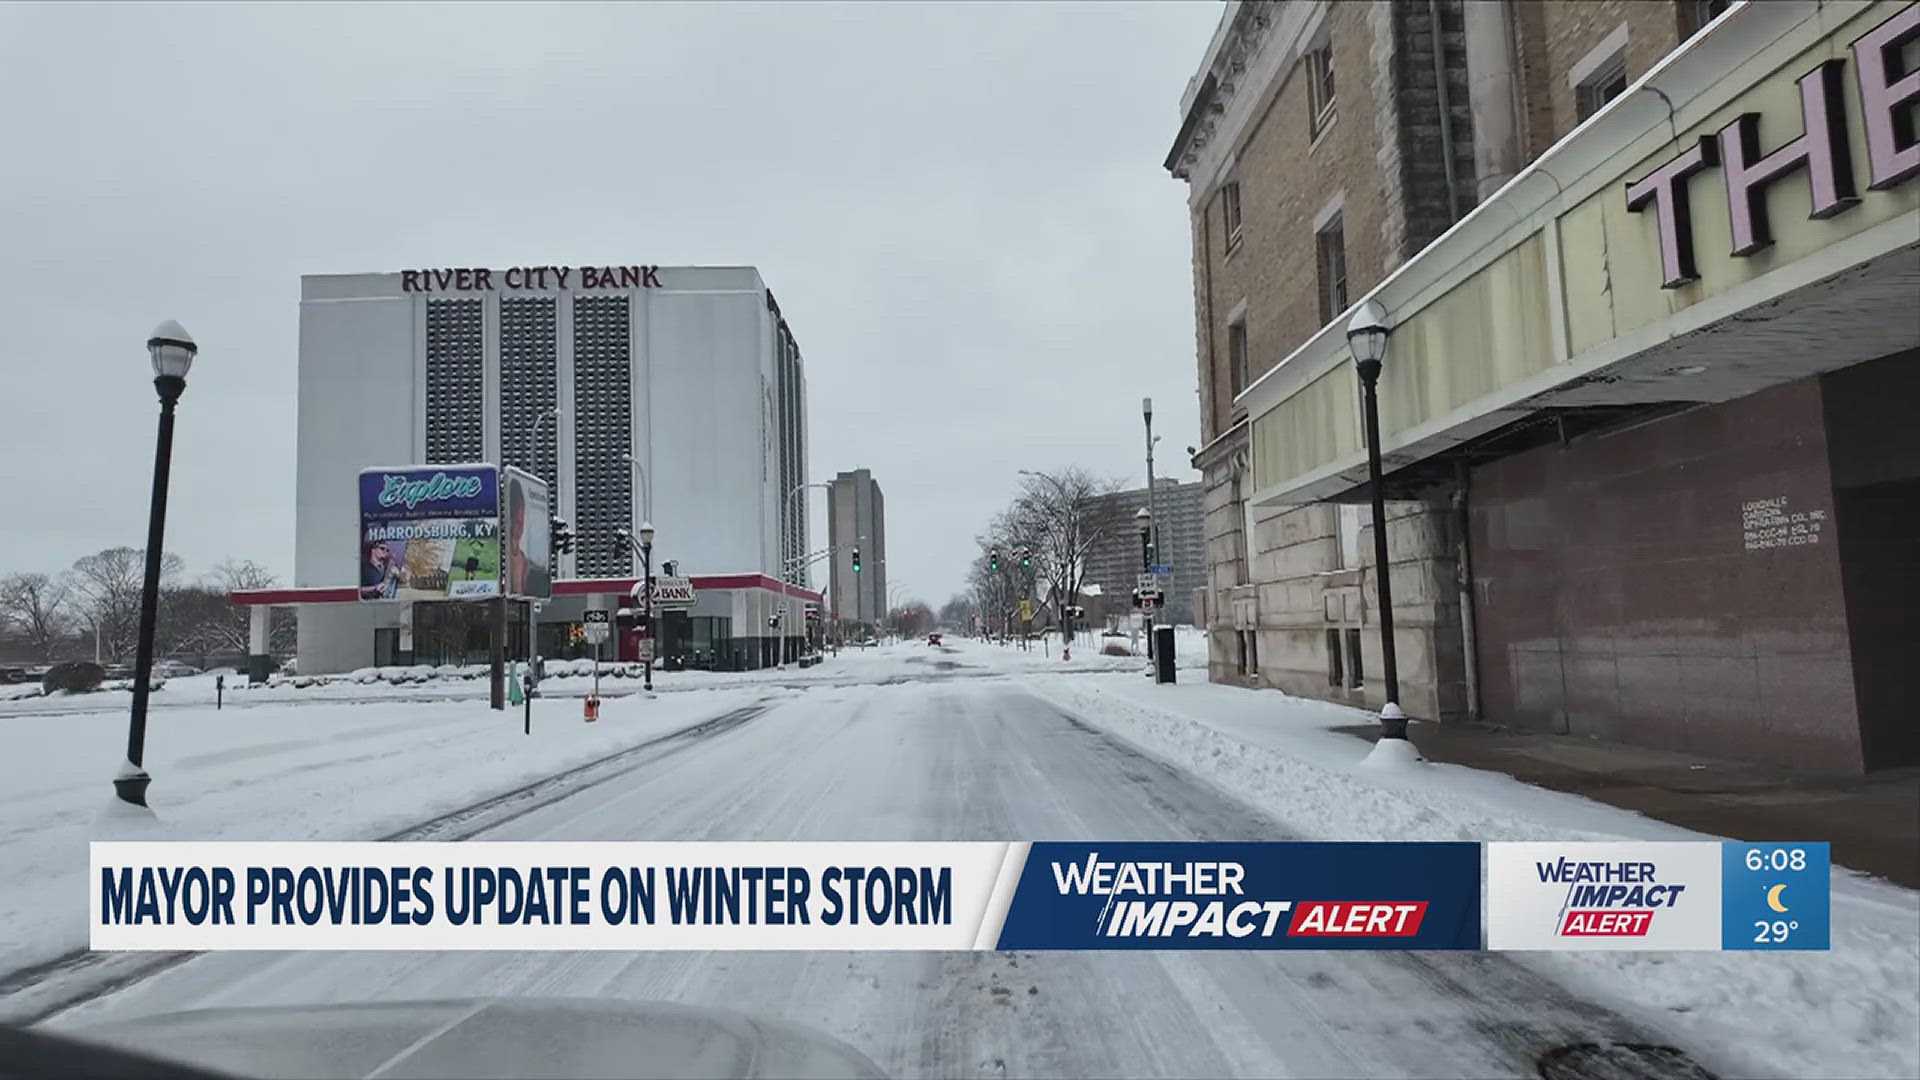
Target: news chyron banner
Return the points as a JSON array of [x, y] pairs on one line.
[[1679, 895], [944, 896]]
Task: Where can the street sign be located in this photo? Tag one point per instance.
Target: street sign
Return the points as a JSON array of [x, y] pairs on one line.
[[646, 650], [782, 608], [598, 624], [1147, 583], [1147, 603], [673, 593], [1162, 568], [1026, 610]]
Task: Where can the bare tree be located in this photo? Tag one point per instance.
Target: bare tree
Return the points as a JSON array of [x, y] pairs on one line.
[[996, 578], [911, 619], [35, 608], [106, 588], [958, 613], [1060, 517]]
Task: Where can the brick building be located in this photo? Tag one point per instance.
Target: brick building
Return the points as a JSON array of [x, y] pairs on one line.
[[1559, 389]]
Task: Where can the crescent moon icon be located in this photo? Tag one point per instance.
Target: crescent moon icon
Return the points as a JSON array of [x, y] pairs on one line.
[[1773, 898]]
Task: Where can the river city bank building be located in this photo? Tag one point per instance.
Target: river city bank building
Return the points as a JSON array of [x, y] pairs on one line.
[[1650, 270], [691, 371]]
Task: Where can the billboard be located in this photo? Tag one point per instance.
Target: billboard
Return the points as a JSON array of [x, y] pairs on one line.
[[430, 532], [525, 518]]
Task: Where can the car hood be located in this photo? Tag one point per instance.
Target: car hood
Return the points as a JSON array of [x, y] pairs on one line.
[[550, 1037]]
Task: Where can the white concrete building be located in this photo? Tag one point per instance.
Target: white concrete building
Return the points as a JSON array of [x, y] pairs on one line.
[[691, 370]]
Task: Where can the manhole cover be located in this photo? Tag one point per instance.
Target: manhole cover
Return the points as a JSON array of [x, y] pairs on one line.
[[1620, 1061]]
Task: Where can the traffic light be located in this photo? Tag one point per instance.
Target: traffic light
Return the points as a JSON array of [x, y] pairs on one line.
[[561, 536], [773, 621], [1026, 558], [993, 560], [856, 559]]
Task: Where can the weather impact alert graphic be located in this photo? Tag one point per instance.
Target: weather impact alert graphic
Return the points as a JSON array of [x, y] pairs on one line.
[[1678, 895], [944, 896]]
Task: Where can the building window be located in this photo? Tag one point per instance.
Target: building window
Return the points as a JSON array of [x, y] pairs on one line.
[[1356, 677], [1330, 245], [1696, 14], [1252, 649], [1237, 356], [1319, 62], [1336, 674], [1601, 75], [603, 499], [1230, 211], [1352, 517], [456, 381]]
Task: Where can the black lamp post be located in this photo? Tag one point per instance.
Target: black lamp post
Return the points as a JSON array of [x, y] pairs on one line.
[[646, 578], [1143, 520], [172, 350], [1367, 336]]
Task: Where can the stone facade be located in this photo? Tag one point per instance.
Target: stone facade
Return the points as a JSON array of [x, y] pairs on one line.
[[1392, 169]]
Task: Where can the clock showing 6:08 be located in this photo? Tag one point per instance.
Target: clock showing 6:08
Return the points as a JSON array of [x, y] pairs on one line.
[[1775, 896]]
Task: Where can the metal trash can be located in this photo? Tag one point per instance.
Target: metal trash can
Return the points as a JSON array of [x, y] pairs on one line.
[[1163, 654]]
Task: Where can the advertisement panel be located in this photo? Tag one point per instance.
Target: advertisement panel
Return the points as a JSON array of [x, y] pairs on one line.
[[525, 521], [430, 532]]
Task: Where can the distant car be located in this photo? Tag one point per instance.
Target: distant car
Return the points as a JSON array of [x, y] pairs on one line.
[[933, 639]]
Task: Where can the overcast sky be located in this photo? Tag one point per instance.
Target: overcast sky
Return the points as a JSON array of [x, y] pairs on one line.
[[961, 209]]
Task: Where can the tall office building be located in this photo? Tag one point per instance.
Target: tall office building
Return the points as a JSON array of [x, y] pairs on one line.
[[856, 518], [567, 372], [1114, 563]]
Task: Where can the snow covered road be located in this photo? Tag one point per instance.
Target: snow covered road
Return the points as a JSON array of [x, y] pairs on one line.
[[974, 742], [957, 760]]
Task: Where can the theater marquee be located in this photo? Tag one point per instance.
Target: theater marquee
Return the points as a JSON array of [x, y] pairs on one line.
[[1888, 97]]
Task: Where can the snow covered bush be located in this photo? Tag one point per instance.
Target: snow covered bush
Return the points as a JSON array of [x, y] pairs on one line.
[[72, 677]]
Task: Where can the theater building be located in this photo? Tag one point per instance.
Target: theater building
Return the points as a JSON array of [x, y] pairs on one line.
[[1646, 404], [563, 371]]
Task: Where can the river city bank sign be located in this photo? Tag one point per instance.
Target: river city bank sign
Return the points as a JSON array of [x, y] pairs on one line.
[[521, 278]]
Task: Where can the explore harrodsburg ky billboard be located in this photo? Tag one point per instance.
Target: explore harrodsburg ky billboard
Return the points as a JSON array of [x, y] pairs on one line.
[[453, 532]]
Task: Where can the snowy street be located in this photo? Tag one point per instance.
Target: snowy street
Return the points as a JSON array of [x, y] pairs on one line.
[[970, 742]]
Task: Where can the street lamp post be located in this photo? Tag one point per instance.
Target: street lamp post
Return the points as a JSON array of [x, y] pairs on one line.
[[1153, 517], [172, 351], [646, 588], [894, 588], [646, 598], [1367, 336], [1143, 520], [785, 597], [553, 557], [644, 486]]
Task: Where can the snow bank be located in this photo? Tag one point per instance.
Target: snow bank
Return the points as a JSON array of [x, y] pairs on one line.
[[281, 772], [1854, 1011]]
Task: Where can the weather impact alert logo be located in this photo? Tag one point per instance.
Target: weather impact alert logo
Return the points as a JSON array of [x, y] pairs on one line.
[[1214, 903], [1609, 898], [1246, 896]]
